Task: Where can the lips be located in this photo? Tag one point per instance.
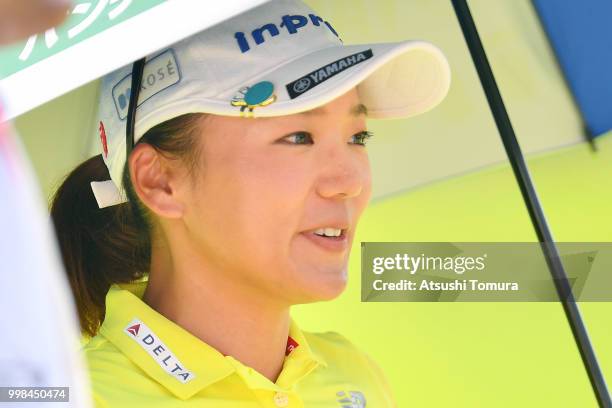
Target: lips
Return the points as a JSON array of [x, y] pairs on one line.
[[331, 238]]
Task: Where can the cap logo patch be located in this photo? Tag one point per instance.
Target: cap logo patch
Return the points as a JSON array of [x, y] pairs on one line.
[[318, 76], [251, 97], [160, 72], [144, 336], [291, 23]]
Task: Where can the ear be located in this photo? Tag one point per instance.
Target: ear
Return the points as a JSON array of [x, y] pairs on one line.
[[154, 179]]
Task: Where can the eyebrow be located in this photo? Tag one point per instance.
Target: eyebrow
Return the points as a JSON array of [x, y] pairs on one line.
[[357, 110]]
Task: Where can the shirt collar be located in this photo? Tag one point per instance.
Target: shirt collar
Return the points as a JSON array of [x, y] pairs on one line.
[[184, 364]]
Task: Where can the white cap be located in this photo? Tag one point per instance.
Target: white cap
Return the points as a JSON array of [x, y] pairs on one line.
[[277, 59]]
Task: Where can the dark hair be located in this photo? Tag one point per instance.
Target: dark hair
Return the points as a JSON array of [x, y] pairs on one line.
[[101, 247]]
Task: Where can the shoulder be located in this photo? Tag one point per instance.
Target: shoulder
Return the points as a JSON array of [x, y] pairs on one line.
[[332, 343], [114, 378], [103, 363], [335, 347], [345, 358], [103, 357]]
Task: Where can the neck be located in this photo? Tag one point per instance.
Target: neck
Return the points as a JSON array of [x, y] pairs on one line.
[[225, 314]]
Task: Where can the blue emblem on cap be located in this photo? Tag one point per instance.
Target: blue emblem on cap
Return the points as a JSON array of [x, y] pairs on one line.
[[259, 93], [251, 97]]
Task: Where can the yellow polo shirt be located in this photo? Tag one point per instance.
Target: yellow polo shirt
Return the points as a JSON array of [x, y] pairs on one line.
[[141, 359]]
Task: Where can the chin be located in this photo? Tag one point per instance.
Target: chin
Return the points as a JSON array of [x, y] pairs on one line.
[[325, 288]]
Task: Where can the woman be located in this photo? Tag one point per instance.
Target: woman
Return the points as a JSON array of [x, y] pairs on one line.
[[244, 186]]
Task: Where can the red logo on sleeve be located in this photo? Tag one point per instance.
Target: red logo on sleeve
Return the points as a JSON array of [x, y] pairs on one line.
[[291, 345], [103, 139]]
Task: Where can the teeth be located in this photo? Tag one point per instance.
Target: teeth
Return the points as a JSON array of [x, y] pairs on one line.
[[328, 232]]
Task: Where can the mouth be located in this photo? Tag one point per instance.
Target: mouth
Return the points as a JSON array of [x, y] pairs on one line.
[[329, 238]]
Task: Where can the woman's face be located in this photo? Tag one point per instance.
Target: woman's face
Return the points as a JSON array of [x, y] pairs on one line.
[[267, 188]]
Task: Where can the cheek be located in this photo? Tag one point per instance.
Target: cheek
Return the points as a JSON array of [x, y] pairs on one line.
[[363, 199], [273, 191], [367, 193], [255, 202]]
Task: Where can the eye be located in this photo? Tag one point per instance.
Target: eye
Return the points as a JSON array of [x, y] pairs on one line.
[[298, 138], [361, 138]]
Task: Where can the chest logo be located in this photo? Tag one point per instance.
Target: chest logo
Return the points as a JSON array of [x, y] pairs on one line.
[[145, 338], [351, 399]]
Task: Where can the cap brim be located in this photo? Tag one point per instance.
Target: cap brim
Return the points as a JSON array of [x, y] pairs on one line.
[[398, 80], [394, 80]]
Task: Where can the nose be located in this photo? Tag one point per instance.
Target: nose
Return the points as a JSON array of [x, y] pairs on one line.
[[345, 173]]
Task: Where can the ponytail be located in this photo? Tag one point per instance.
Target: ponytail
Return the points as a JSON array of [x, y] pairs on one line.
[[104, 246], [99, 246]]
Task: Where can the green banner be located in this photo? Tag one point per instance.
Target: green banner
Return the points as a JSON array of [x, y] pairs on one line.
[[86, 19]]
